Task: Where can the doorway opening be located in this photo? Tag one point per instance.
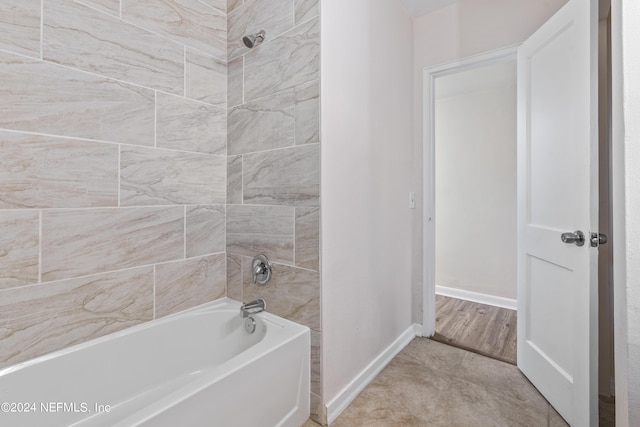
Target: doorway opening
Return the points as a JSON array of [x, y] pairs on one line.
[[436, 295], [475, 208]]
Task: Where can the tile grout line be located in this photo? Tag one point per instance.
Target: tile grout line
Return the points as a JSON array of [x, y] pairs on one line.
[[243, 76], [154, 291], [102, 141], [293, 13], [263, 98], [41, 29], [275, 262], [155, 119], [311, 144], [159, 35], [138, 85], [110, 78], [242, 179], [121, 208], [40, 246], [121, 270], [224, 12], [184, 237], [119, 172]]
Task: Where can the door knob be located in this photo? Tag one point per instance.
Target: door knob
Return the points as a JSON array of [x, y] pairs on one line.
[[598, 239], [576, 238]]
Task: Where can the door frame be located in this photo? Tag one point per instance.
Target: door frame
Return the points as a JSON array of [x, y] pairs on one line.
[[428, 135]]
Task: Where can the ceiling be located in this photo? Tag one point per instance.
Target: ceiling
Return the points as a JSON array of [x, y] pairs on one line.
[[422, 7]]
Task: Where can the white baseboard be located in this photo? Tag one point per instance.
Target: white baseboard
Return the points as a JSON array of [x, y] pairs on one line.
[[351, 391], [509, 303]]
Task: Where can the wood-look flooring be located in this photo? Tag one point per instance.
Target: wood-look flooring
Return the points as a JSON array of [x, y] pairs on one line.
[[484, 329]]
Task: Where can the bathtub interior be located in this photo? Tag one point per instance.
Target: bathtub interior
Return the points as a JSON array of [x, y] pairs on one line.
[[135, 367]]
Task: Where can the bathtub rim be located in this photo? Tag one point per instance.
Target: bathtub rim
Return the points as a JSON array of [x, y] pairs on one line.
[[219, 303]]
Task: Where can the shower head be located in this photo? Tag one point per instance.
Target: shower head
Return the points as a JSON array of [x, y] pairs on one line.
[[253, 40]]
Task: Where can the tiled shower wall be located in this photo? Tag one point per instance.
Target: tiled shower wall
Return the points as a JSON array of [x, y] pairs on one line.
[[112, 166], [273, 163]]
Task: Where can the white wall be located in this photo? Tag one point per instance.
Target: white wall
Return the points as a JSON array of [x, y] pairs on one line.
[[625, 20], [366, 79], [466, 28], [475, 212]]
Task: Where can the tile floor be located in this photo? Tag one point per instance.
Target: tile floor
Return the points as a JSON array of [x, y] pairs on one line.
[[433, 384]]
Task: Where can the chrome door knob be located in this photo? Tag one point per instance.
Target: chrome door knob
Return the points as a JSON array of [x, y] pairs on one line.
[[598, 239], [576, 238]]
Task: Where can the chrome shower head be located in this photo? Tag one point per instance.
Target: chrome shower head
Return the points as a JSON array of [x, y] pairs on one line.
[[253, 40]]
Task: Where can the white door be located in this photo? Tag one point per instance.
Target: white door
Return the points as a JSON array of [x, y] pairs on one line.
[[557, 193]]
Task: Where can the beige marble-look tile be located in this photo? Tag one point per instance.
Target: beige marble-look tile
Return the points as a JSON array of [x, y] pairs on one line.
[[317, 412], [40, 97], [19, 246], [306, 9], [188, 22], [80, 37], [35, 320], [465, 403], [205, 230], [252, 230], [504, 378], [308, 113], [252, 17], [183, 124], [439, 356], [206, 78], [47, 172], [221, 5], [308, 238], [316, 353], [150, 176], [184, 284], [233, 4], [555, 420], [235, 81], [234, 180], [292, 293], [111, 7], [263, 124], [286, 61], [390, 399], [20, 27], [234, 277], [310, 423], [290, 176], [81, 242]]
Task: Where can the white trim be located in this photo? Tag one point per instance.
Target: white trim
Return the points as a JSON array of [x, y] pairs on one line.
[[353, 389], [502, 302], [418, 329], [428, 141]]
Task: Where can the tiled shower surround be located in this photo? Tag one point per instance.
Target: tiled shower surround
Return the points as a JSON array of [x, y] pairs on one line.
[[146, 156], [273, 162]]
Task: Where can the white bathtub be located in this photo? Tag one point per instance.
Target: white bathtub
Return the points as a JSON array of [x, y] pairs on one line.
[[195, 368]]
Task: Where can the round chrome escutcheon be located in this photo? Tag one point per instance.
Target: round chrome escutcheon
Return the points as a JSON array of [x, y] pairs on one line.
[[250, 325]]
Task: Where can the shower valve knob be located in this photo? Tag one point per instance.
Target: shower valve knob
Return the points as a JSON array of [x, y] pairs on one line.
[[261, 269]]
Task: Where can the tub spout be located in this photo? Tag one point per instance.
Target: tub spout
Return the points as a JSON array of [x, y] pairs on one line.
[[253, 307]]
